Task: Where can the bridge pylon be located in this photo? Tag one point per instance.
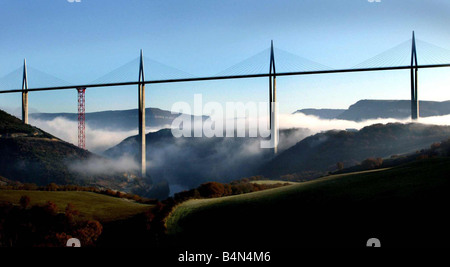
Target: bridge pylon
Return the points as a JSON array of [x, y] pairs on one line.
[[25, 93], [273, 100], [141, 103], [414, 81]]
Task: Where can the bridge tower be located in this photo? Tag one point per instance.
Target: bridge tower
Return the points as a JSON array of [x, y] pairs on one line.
[[141, 102], [25, 93], [81, 118], [273, 100], [414, 81]]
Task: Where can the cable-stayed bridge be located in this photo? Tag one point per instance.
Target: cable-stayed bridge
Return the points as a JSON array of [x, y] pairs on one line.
[[410, 55]]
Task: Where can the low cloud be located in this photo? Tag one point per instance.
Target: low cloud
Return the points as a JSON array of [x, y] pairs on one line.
[[102, 166], [97, 140], [316, 124]]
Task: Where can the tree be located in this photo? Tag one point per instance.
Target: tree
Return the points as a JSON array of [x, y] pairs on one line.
[[71, 210], [52, 187], [372, 163], [51, 208], [435, 146], [340, 166], [227, 190], [211, 189], [70, 213], [24, 201], [89, 232]]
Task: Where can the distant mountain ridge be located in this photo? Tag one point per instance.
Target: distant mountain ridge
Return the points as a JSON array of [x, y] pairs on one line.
[[374, 109], [324, 113], [123, 120]]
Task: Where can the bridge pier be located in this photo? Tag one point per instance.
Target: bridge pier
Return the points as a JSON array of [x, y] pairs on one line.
[[273, 101], [25, 93], [141, 103], [414, 82]]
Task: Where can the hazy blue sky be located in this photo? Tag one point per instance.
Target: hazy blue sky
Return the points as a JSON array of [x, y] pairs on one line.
[[79, 42]]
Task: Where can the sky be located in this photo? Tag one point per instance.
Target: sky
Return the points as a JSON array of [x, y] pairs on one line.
[[81, 41]]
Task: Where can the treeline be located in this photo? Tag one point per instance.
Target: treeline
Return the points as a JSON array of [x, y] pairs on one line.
[[44, 226], [215, 189], [54, 187]]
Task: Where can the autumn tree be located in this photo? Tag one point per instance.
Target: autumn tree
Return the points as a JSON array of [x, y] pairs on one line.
[[52, 187], [24, 201], [372, 163], [51, 208], [71, 212], [211, 189], [89, 232]]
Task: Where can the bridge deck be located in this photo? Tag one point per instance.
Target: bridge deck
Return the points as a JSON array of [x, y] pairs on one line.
[[224, 78]]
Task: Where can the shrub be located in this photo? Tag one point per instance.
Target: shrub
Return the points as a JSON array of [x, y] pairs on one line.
[[24, 201], [51, 208], [372, 163]]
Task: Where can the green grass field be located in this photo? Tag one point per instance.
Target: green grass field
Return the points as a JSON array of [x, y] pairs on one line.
[[397, 204], [90, 205]]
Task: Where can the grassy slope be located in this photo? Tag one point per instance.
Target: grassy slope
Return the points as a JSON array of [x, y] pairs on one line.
[[272, 182], [402, 206], [91, 205]]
